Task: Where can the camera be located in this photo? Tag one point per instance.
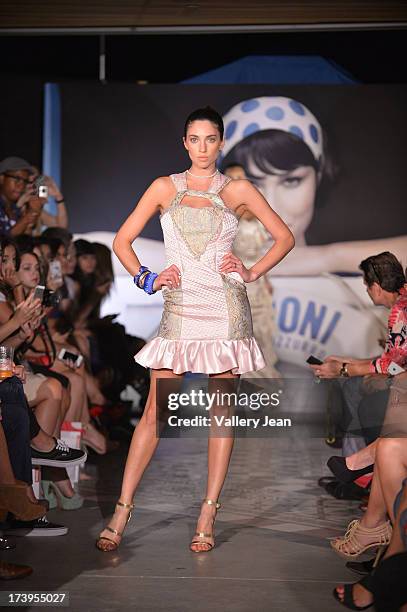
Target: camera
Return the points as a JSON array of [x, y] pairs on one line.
[[50, 298], [40, 187], [47, 297]]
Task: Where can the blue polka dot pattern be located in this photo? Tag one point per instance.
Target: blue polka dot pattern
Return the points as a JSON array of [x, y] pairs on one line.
[[250, 129], [249, 105], [294, 129], [313, 132], [297, 107], [272, 112], [231, 129], [275, 112]]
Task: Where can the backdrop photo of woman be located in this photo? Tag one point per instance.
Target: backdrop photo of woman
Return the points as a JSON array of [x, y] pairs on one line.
[[283, 148]]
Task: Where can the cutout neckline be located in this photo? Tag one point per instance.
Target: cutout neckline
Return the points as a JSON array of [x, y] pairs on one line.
[[208, 195]]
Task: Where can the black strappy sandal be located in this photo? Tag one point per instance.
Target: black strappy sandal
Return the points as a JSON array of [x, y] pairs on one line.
[[347, 601]]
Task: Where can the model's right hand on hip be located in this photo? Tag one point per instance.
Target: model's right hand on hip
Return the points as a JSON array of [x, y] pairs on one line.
[[170, 277]]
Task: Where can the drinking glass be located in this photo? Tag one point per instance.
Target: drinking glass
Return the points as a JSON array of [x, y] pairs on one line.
[[6, 361]]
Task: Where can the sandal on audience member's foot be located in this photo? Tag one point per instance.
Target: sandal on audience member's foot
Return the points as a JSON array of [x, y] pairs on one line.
[[351, 545], [348, 601], [324, 480], [201, 538], [107, 544], [57, 499], [365, 567], [339, 468]]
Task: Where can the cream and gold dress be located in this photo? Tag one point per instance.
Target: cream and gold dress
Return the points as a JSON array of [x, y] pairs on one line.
[[206, 325], [251, 243]]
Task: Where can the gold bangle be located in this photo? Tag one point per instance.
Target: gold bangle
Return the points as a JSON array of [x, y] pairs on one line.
[[142, 278], [344, 370]]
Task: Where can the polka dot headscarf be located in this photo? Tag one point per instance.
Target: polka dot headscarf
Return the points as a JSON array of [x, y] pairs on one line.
[[272, 113]]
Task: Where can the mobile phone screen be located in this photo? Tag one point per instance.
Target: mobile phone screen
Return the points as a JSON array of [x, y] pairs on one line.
[[39, 292], [71, 356], [55, 269], [313, 360]]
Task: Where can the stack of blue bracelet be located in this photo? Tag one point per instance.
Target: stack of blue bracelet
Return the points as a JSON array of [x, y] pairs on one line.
[[144, 279]]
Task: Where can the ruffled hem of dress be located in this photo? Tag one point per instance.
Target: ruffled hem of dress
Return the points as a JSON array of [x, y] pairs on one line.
[[202, 356]]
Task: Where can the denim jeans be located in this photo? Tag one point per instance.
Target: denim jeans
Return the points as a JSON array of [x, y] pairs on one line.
[[16, 425]]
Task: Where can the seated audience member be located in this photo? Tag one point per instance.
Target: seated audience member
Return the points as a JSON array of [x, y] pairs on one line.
[[66, 237], [45, 218], [14, 181], [386, 430], [13, 498], [91, 293], [41, 353], [16, 496], [385, 283], [112, 360], [47, 396], [385, 585], [21, 208], [10, 286], [20, 426]]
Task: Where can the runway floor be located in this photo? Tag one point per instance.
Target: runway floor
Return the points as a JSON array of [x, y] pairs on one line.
[[271, 554]]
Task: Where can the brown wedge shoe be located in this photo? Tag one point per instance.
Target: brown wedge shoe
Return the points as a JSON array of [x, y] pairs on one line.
[[14, 498]]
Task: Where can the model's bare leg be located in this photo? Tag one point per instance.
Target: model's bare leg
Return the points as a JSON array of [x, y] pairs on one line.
[[142, 447], [220, 445]]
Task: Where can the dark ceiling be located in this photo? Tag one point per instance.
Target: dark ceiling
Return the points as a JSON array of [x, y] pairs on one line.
[[371, 57], [63, 49], [141, 13]]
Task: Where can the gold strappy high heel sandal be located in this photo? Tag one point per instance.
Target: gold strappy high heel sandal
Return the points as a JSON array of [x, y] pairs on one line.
[[350, 546], [99, 542], [199, 535]]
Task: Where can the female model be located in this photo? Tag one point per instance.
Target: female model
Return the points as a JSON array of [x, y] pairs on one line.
[[206, 324]]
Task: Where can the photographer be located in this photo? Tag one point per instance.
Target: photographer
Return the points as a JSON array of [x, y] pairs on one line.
[[36, 195], [14, 182]]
